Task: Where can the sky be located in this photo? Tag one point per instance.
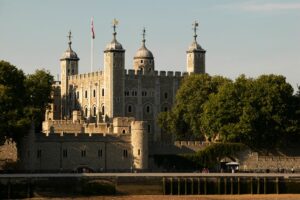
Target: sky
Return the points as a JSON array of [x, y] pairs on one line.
[[251, 37]]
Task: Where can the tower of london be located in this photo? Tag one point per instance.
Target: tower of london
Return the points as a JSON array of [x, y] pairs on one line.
[[107, 120]]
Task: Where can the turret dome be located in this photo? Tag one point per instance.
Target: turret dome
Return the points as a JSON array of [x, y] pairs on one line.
[[143, 52], [114, 44], [195, 47], [69, 53]]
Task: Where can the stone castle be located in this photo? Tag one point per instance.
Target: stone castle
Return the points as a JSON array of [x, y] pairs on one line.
[[107, 119]]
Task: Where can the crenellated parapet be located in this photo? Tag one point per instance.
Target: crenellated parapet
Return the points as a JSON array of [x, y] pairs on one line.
[[91, 75], [134, 74]]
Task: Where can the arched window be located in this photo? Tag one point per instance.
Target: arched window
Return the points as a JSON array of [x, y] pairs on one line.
[[94, 93], [166, 95], [103, 110], [123, 131], [94, 111], [86, 112], [149, 128], [148, 109], [129, 109], [85, 94]]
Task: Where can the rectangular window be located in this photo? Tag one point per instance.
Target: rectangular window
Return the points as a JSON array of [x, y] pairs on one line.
[[125, 153], [85, 94], [94, 93], [139, 152], [83, 153], [65, 153], [103, 92], [39, 153], [100, 153]]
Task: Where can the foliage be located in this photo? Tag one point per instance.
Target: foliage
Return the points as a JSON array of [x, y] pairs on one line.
[[22, 100], [256, 112], [184, 118], [261, 112]]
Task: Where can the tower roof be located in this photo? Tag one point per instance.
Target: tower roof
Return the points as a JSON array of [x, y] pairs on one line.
[[195, 46], [69, 53], [114, 44], [143, 52]]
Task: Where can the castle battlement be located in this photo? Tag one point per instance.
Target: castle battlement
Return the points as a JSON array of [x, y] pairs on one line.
[[83, 136], [131, 73], [95, 74]]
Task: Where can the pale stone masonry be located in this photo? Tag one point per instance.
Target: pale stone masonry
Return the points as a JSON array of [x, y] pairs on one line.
[[106, 120]]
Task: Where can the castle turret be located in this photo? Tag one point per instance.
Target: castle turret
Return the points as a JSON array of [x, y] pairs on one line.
[[143, 59], [195, 55], [68, 66], [139, 142], [114, 67]]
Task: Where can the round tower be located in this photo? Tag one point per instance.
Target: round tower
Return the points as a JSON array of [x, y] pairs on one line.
[[195, 55], [139, 142], [143, 59]]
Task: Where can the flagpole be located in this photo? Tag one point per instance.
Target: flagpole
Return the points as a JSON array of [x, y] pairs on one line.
[[92, 53]]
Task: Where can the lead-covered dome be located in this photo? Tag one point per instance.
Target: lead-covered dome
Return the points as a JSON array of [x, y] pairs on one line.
[[69, 53], [195, 47], [143, 52], [113, 45]]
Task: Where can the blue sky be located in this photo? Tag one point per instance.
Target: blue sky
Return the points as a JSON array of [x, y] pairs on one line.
[[241, 37]]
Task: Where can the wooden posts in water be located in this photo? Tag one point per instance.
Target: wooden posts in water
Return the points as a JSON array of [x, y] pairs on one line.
[[258, 186], [251, 185], [192, 186], [265, 185], [231, 185], [238, 185], [205, 186], [277, 185], [199, 184], [171, 186], [225, 185], [219, 185], [178, 186], [164, 185], [185, 186]]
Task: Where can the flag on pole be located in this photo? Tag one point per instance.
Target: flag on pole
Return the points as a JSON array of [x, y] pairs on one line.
[[92, 28]]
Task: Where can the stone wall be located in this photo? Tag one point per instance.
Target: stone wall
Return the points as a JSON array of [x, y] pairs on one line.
[[8, 153]]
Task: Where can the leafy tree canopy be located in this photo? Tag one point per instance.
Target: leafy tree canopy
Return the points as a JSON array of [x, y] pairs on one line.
[[23, 100], [260, 112]]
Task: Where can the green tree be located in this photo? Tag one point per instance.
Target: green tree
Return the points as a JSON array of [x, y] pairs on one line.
[[256, 112], [184, 117], [12, 93], [23, 100], [38, 91]]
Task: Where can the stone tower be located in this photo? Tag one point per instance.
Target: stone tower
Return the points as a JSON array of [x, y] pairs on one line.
[[195, 55], [139, 142], [114, 69], [68, 66], [143, 59]]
